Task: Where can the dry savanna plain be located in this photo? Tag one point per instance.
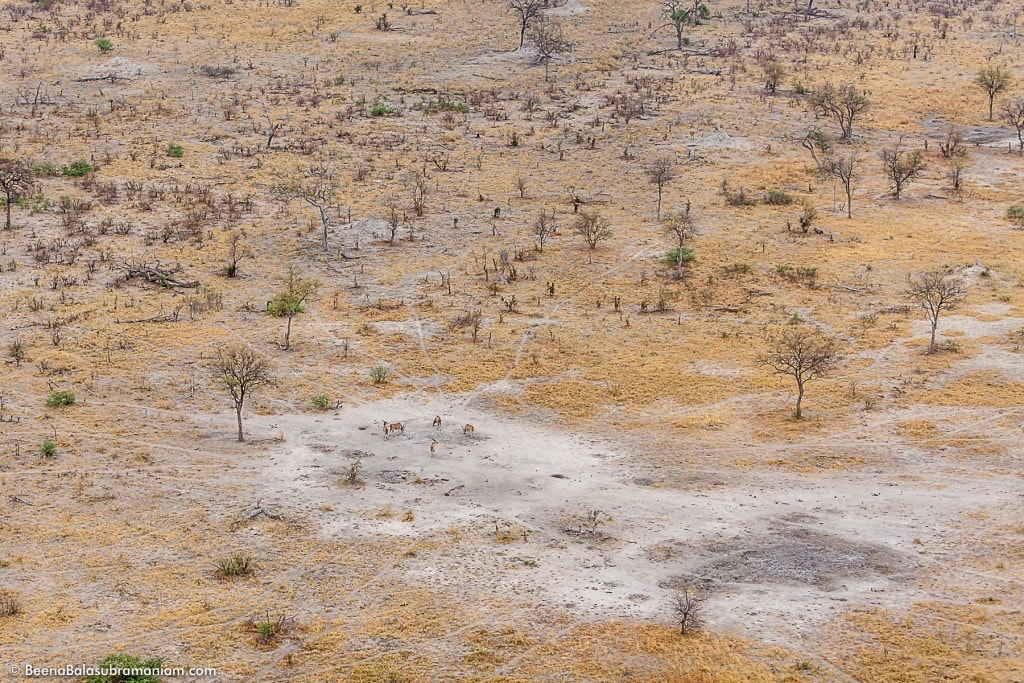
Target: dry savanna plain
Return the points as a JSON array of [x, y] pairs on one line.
[[610, 248]]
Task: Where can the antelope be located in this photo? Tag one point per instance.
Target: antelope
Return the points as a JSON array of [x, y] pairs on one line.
[[468, 429], [385, 431], [396, 427], [433, 448], [437, 422]]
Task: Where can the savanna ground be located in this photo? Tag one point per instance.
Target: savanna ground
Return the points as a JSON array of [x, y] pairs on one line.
[[628, 441]]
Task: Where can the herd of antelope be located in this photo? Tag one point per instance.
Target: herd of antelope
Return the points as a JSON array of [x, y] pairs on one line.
[[391, 428]]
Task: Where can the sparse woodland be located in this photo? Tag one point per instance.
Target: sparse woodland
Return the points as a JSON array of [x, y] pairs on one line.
[[230, 227]]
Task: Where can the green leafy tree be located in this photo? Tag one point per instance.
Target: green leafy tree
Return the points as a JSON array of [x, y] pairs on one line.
[[684, 13], [291, 300], [993, 79]]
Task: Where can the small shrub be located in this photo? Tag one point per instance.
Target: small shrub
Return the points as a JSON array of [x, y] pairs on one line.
[[104, 45], [379, 374], [350, 474], [44, 169], [236, 564], [672, 255], [10, 605], [175, 150], [48, 449], [77, 169], [63, 397], [1016, 214], [123, 660], [777, 198], [321, 401], [380, 109]]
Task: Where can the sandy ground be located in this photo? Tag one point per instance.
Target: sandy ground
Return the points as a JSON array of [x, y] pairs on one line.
[[778, 553]]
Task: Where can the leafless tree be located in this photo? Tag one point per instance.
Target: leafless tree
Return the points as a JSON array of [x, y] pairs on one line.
[[241, 371], [592, 227], [296, 290], [418, 187], [936, 292], [953, 145], [548, 37], [844, 168], [688, 608], [1013, 114], [844, 104], [394, 219], [316, 185], [272, 127], [661, 172], [15, 182], [901, 166], [526, 11], [804, 354], [993, 79], [544, 227], [237, 251], [521, 185], [681, 225], [684, 13]]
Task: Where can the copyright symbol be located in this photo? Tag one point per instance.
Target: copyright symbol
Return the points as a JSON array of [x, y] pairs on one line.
[[14, 670]]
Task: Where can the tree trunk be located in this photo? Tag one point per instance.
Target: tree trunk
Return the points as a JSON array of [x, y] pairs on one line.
[[8, 226], [522, 34], [849, 201], [659, 201], [935, 326], [288, 334], [799, 399], [991, 101], [238, 413], [679, 37], [326, 221]]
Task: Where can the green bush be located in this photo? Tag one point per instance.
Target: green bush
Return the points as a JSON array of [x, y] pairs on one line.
[[379, 374], [1016, 214], [44, 169], [175, 150], [123, 660], [104, 45], [321, 401], [48, 449], [236, 564], [380, 109], [672, 255], [777, 198], [60, 398], [77, 169]]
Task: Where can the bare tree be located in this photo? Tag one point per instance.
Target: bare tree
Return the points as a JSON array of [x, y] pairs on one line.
[[290, 301], [393, 220], [680, 224], [803, 354], [661, 172], [237, 250], [688, 608], [993, 79], [15, 182], [684, 13], [844, 168], [418, 187], [547, 36], [1013, 114], [844, 104], [241, 371], [592, 227], [272, 127], [317, 186], [936, 292], [901, 166], [953, 145], [526, 11], [544, 227]]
